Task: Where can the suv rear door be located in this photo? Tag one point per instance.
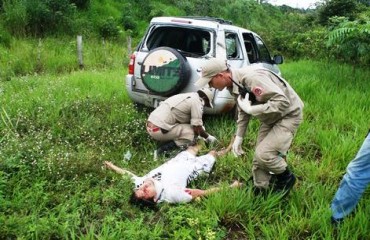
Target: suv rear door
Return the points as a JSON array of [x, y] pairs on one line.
[[193, 43]]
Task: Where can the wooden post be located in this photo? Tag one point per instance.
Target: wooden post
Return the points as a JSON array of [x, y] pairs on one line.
[[105, 53], [79, 52], [129, 51], [38, 64]]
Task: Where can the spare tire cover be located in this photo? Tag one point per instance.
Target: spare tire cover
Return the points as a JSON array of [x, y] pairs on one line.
[[165, 71]]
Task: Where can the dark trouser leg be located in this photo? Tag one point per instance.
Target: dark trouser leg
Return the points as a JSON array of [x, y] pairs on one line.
[[284, 182]]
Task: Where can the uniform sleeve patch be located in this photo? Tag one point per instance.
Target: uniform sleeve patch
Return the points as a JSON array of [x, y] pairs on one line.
[[257, 91]]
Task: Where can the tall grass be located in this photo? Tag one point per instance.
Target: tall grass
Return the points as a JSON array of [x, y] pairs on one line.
[[57, 129], [59, 55]]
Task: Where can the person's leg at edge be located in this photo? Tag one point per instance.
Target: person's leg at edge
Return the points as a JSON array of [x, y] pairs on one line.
[[353, 184]]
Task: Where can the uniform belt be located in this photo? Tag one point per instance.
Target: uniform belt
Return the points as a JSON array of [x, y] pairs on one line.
[[150, 127]]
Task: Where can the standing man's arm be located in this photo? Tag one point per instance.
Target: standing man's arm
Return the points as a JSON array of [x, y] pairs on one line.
[[242, 127]]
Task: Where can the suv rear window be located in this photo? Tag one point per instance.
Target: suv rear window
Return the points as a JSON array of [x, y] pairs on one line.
[[186, 40]]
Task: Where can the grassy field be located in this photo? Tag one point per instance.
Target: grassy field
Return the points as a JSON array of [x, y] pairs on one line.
[[56, 131]]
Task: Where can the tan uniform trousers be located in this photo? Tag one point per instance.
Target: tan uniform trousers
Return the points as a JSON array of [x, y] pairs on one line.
[[273, 142], [181, 134]]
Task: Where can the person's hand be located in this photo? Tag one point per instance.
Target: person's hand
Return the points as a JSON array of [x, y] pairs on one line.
[[195, 192], [244, 103], [237, 146], [247, 106], [108, 164], [211, 139]]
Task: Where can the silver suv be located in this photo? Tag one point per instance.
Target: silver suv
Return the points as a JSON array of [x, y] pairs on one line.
[[167, 61]]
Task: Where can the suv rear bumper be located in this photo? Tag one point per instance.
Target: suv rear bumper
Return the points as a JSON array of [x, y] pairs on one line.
[[223, 103]]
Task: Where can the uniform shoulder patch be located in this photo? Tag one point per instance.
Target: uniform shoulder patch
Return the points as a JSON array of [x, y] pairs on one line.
[[257, 91]]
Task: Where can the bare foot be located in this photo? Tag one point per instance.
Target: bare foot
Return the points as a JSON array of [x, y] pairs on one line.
[[213, 153]]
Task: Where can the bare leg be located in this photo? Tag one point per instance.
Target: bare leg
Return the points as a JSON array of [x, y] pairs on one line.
[[194, 149]]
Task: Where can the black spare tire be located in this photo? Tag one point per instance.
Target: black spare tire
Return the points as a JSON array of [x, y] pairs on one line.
[[165, 71]]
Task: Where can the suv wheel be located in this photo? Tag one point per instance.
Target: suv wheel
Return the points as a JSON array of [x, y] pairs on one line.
[[165, 71]]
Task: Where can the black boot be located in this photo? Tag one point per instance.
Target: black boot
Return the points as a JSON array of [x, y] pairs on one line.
[[260, 191], [284, 182], [166, 147]]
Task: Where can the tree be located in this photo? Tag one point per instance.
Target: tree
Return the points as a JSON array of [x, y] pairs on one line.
[[340, 8]]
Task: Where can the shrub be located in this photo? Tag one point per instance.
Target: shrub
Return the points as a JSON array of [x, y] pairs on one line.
[[109, 29], [38, 17], [15, 17], [5, 37], [350, 40], [342, 8], [81, 4], [128, 22]]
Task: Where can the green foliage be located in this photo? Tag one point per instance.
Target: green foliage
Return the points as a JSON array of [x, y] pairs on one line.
[[350, 39], [5, 37], [300, 45], [38, 17], [15, 17], [51, 55], [128, 22], [236, 11], [81, 4], [340, 8], [109, 29], [189, 222], [116, 19]]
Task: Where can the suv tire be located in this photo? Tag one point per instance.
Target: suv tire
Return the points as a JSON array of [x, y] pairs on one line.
[[165, 71]]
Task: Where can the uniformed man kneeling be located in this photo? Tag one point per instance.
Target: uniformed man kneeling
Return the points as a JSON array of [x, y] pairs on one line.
[[177, 121]]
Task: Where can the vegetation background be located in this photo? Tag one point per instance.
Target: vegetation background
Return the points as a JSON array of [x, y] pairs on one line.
[[59, 122]]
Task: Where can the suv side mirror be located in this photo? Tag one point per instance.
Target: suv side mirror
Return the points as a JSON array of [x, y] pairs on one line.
[[278, 59]]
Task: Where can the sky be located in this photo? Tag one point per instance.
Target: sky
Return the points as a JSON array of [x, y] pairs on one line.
[[295, 3]]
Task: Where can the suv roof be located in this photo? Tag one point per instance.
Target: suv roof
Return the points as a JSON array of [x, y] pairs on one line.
[[206, 22], [192, 18]]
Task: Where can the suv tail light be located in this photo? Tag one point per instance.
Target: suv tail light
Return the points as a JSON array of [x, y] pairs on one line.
[[131, 65]]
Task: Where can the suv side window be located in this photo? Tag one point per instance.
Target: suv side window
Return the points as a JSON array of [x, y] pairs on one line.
[[263, 52], [250, 47], [233, 49], [192, 41]]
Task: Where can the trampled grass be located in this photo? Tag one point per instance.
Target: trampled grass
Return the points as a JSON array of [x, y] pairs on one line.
[[56, 130]]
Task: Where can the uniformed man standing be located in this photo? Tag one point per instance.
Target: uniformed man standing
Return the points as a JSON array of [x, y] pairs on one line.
[[177, 121], [278, 107]]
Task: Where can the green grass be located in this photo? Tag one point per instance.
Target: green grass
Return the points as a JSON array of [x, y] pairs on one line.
[[59, 56], [57, 129]]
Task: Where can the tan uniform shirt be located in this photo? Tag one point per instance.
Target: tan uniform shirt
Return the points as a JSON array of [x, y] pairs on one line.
[[180, 108], [279, 97]]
